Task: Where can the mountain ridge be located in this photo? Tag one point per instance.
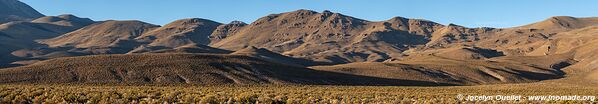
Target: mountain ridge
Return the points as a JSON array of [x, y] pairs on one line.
[[417, 51], [14, 10]]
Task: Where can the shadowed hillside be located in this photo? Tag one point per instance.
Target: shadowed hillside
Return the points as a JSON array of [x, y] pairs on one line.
[[443, 70], [275, 57], [14, 10], [181, 68], [16, 36]]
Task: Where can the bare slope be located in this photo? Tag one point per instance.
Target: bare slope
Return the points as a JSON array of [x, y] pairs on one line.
[[120, 37], [330, 37], [457, 53], [582, 43], [267, 55], [98, 38], [181, 32], [523, 40], [101, 34], [23, 35], [226, 30], [180, 68], [14, 10], [562, 23], [424, 49], [442, 70], [68, 21], [567, 55], [190, 48]]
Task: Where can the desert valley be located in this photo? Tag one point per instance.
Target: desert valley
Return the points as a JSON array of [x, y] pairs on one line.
[[296, 51]]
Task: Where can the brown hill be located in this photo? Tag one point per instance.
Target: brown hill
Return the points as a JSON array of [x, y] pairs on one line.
[[190, 48], [569, 51], [98, 38], [181, 32], [581, 43], [454, 35], [68, 21], [330, 37], [577, 44], [577, 47], [523, 40], [562, 23], [511, 41], [23, 35], [42, 28], [415, 49], [120, 37], [565, 42], [336, 38], [531, 39], [14, 10], [226, 30], [267, 55], [442, 70], [180, 68], [19, 35], [459, 53], [101, 34]]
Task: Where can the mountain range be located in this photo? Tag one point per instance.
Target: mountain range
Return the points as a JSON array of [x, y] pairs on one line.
[[297, 47]]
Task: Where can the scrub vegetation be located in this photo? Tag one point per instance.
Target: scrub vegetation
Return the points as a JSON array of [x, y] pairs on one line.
[[274, 94]]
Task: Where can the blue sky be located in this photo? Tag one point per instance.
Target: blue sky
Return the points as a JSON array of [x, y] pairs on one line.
[[470, 13]]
